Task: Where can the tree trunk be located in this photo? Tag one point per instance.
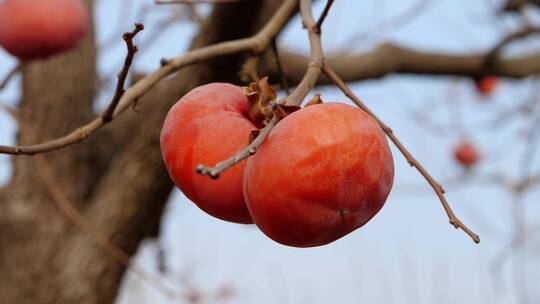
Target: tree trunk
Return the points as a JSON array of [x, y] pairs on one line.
[[116, 178]]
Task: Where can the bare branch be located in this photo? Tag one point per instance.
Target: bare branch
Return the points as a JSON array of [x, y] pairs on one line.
[[391, 58], [294, 99], [517, 5], [256, 44], [131, 50], [455, 221]]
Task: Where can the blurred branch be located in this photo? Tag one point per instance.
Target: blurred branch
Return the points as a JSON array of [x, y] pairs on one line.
[[256, 44], [517, 5], [69, 210], [493, 55], [16, 69]]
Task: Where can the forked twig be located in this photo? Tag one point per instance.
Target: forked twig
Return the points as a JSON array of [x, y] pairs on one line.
[[131, 50]]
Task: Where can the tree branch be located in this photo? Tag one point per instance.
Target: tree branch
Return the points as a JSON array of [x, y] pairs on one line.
[[390, 58], [256, 44], [493, 55], [294, 99], [131, 50], [455, 221]]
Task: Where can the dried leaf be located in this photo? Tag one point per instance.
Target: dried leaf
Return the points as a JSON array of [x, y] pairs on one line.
[[261, 95]]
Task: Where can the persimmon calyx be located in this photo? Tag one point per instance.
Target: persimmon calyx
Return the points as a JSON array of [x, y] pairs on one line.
[[261, 95], [315, 100]]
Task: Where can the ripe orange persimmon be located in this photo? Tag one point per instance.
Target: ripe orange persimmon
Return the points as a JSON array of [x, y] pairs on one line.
[[466, 153], [31, 29], [486, 85], [206, 126], [323, 172]]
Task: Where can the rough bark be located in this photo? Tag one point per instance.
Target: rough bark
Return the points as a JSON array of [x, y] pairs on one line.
[[116, 179]]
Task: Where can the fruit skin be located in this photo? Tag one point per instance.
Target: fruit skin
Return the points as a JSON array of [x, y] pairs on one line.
[[466, 154], [323, 172], [206, 126], [486, 85], [32, 29]]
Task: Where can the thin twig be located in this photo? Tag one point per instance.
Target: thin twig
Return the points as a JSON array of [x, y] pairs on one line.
[[454, 220], [255, 44], [294, 99], [131, 50], [16, 69], [323, 15]]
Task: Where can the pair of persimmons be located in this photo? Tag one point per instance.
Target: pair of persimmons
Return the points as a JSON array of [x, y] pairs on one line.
[[323, 171]]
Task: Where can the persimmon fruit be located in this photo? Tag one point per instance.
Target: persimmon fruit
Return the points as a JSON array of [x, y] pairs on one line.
[[208, 125], [466, 153], [33, 29], [486, 85], [323, 172]]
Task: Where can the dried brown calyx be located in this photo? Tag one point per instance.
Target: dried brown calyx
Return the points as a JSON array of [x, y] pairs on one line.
[[263, 105], [261, 96]]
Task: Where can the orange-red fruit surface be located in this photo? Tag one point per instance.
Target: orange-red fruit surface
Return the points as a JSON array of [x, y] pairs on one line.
[[486, 85], [466, 154], [206, 126], [32, 29], [323, 172]]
